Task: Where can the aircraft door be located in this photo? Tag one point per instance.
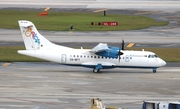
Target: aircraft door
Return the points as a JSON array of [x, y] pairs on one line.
[[63, 58]]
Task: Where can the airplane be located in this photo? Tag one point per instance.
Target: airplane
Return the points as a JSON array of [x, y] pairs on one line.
[[100, 57]]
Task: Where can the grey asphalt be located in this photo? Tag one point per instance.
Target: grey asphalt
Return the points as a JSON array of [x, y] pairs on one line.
[[46, 85], [150, 5]]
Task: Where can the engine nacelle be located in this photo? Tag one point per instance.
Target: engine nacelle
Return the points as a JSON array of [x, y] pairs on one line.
[[111, 53]]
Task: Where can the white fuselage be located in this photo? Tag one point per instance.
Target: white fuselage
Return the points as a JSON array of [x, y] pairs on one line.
[[101, 56], [82, 57]]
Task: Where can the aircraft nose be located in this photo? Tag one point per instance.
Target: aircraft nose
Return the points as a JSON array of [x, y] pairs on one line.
[[163, 63]]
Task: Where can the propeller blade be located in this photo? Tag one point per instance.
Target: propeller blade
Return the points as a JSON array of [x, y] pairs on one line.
[[119, 55], [119, 52], [122, 48]]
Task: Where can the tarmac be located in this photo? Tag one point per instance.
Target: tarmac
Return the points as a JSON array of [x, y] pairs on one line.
[[149, 5], [46, 85]]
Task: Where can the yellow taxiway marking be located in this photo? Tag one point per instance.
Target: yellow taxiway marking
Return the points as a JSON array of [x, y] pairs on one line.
[[150, 12], [100, 10], [130, 45], [6, 64], [47, 8], [70, 32]]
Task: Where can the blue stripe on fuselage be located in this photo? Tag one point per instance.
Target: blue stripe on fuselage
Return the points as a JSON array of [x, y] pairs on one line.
[[109, 67]]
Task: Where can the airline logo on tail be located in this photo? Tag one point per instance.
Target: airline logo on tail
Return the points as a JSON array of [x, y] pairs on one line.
[[30, 33]]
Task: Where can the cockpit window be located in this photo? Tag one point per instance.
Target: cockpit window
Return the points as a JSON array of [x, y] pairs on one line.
[[152, 56], [155, 56]]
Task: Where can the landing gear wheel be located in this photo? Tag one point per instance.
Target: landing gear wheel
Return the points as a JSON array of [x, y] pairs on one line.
[[154, 71], [95, 70]]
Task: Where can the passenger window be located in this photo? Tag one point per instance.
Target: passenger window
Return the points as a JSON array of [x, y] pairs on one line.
[[94, 56], [74, 56], [164, 106]]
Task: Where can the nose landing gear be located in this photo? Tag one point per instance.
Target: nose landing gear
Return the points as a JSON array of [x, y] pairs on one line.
[[154, 70]]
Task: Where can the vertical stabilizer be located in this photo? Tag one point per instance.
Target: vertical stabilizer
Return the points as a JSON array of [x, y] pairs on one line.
[[33, 40]]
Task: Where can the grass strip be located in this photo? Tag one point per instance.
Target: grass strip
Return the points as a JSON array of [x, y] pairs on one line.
[[61, 21], [9, 54]]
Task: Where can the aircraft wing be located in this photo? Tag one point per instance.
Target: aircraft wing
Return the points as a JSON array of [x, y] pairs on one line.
[[106, 51], [101, 47]]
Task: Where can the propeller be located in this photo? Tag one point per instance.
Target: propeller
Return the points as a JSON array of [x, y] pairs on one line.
[[122, 48]]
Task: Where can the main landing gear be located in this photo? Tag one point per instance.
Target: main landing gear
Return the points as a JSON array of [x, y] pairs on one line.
[[97, 68], [154, 70]]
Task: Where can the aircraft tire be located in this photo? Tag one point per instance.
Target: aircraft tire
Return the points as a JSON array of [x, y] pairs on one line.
[[96, 71], [154, 71]]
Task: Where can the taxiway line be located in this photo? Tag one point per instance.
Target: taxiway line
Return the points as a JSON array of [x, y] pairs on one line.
[[130, 45], [6, 64]]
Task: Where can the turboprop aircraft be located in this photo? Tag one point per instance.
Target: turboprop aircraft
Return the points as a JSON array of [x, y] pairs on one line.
[[100, 57]]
